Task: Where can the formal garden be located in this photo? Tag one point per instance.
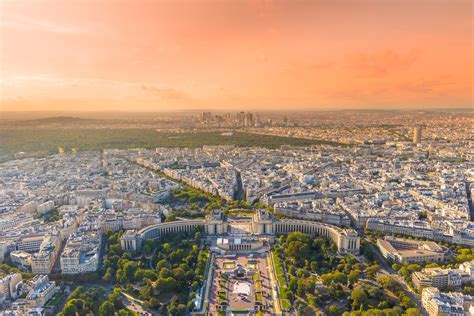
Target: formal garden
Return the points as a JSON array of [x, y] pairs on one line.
[[164, 279], [313, 279]]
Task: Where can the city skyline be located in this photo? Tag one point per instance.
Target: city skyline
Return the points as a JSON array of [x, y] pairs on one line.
[[251, 157], [156, 56]]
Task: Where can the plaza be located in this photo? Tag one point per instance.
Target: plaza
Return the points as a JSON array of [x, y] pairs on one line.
[[241, 285]]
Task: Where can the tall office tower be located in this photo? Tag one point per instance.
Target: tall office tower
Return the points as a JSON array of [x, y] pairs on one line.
[[241, 117], [249, 121], [205, 117], [258, 123], [417, 135]]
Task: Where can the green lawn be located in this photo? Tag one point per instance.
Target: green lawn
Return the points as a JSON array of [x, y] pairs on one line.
[[222, 283], [285, 303], [279, 269], [222, 297]]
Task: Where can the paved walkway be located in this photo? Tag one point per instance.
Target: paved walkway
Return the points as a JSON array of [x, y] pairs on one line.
[[271, 272]]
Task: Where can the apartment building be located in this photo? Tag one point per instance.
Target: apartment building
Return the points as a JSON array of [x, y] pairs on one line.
[[444, 278], [21, 260], [446, 304], [411, 251], [42, 290], [43, 261], [8, 286]]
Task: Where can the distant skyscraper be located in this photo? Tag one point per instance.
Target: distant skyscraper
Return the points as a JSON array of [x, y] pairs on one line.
[[258, 123], [241, 117], [249, 120], [205, 117], [417, 135]]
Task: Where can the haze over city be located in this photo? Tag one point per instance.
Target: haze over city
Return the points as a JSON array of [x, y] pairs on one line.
[[236, 157], [148, 55]]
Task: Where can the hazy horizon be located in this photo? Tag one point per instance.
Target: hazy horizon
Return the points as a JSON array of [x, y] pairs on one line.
[[168, 56]]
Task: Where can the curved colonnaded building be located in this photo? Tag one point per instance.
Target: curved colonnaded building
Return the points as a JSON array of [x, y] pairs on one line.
[[262, 224]]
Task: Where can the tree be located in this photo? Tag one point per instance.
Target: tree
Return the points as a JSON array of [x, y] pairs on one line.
[[69, 310], [115, 249], [146, 249], [142, 275], [302, 273], [162, 264], [414, 267], [147, 292], [333, 310], [314, 266], [114, 297], [412, 312], [177, 255], [181, 309], [170, 218], [109, 275], [120, 276], [107, 309], [353, 276], [129, 269], [79, 303], [358, 297], [388, 283], [164, 273], [368, 251], [297, 251], [432, 265], [293, 285], [340, 277], [312, 300], [383, 305], [372, 270], [406, 302], [179, 274], [404, 272], [373, 291], [336, 277]]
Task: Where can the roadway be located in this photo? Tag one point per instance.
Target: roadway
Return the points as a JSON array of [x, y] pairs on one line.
[[386, 269]]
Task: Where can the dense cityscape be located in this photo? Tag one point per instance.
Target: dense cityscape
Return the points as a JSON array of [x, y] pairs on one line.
[[371, 217], [236, 158]]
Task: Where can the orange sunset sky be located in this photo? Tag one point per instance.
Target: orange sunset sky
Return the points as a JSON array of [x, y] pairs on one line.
[[143, 55]]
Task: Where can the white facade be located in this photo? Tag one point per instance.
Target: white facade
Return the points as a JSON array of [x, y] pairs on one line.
[[446, 304]]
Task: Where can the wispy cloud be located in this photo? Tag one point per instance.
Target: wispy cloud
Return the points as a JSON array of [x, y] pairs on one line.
[[152, 89], [380, 63], [424, 86], [36, 24], [165, 93], [296, 69]]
